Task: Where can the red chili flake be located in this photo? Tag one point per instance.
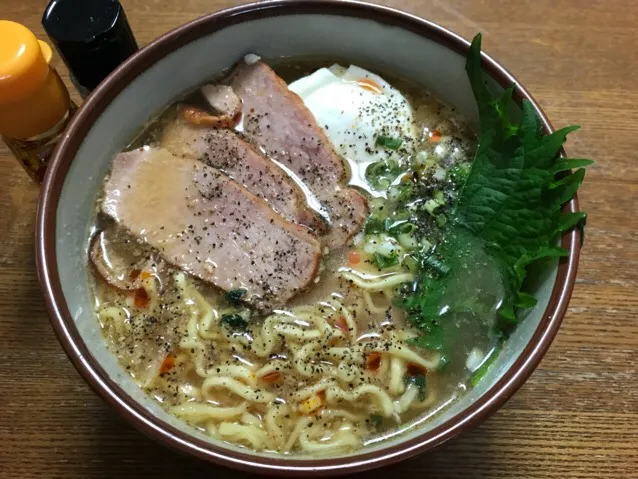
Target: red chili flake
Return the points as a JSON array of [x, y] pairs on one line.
[[168, 363], [141, 298], [341, 324], [415, 370], [271, 377], [134, 274], [373, 361]]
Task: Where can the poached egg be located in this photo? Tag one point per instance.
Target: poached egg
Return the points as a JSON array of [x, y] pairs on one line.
[[355, 107]]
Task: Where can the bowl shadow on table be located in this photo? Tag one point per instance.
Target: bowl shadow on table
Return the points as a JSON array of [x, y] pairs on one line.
[[125, 453]]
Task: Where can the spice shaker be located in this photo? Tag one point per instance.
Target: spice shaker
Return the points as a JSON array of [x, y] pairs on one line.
[[35, 106], [93, 37]]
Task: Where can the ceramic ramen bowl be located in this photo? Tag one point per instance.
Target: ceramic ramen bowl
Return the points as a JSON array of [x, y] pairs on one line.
[[138, 90]]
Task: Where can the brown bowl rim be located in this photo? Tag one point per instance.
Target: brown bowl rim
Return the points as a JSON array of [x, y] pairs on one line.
[[168, 435]]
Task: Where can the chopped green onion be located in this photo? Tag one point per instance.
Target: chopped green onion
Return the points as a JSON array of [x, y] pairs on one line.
[[374, 225], [388, 142], [436, 264], [407, 241], [431, 206], [421, 157], [401, 227], [425, 246], [411, 263], [381, 174]]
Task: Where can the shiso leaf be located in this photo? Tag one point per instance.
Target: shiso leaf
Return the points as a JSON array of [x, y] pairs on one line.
[[510, 205]]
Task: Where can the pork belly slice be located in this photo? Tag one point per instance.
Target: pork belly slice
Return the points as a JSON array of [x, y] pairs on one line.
[[208, 225], [277, 120], [120, 261], [222, 99], [225, 150]]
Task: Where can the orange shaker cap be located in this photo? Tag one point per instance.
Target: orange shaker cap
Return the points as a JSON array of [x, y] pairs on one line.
[[24, 62]]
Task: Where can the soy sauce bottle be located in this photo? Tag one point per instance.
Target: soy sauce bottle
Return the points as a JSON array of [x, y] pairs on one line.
[[92, 36]]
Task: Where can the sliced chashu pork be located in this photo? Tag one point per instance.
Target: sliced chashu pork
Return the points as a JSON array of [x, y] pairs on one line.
[[225, 150], [222, 99], [276, 119], [208, 225]]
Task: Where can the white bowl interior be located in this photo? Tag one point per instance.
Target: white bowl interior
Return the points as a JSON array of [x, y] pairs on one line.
[[359, 40]]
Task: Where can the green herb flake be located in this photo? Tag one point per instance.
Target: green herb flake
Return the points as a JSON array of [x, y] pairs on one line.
[[376, 420], [234, 321], [235, 295], [384, 262], [389, 142], [418, 381]]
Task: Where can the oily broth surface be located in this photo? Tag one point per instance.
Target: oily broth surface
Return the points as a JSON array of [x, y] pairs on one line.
[[143, 334]]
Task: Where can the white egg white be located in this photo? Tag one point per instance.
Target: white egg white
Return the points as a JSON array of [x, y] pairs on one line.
[[355, 107]]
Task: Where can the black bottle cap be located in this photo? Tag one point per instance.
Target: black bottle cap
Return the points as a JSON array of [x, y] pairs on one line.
[[92, 36]]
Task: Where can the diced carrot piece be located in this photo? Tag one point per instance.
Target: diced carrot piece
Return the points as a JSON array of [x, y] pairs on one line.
[[435, 136], [271, 377], [373, 361], [354, 258], [168, 363], [311, 404], [370, 85], [141, 298], [145, 275]]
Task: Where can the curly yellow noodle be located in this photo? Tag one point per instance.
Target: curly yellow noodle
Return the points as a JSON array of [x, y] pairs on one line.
[[378, 283], [235, 371], [275, 422], [384, 365], [340, 443], [336, 396], [429, 400], [370, 303], [115, 317], [249, 435], [341, 413], [296, 432], [232, 404], [406, 400], [238, 388], [198, 412], [398, 369], [308, 391]]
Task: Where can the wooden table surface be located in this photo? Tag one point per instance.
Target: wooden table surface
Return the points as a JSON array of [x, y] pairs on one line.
[[577, 416]]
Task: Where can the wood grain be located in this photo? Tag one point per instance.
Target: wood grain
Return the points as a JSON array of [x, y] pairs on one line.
[[577, 417]]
